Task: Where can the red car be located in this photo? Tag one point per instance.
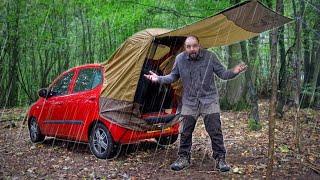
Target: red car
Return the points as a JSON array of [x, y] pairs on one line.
[[69, 109]]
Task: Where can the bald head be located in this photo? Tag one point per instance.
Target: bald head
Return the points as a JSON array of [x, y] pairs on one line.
[[192, 37], [192, 46]]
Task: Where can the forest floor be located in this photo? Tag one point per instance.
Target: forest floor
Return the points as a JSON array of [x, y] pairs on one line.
[[247, 152]]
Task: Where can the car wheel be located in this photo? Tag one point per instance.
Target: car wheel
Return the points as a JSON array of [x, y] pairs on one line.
[[34, 131], [101, 143], [167, 140]]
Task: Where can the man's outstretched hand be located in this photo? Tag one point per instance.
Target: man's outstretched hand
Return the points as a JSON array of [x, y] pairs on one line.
[[152, 76], [240, 68]]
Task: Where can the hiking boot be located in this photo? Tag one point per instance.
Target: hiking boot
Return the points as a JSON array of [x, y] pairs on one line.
[[222, 165], [181, 163]]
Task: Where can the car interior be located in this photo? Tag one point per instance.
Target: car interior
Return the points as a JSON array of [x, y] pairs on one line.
[[154, 97]]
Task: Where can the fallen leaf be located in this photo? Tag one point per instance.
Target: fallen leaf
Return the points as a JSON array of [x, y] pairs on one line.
[[284, 149], [237, 170]]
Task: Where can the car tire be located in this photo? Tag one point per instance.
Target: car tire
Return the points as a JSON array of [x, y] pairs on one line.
[[34, 131], [101, 143], [167, 140]]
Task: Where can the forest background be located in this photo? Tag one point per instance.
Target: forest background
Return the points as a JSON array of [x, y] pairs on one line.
[[40, 39]]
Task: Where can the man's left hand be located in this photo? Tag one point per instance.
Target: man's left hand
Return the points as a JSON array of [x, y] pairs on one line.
[[240, 68]]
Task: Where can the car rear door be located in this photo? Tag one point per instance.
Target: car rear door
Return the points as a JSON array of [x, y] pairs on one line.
[[84, 101]]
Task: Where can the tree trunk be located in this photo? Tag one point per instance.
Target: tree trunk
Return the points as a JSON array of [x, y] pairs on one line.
[[315, 80], [274, 87], [315, 63], [253, 57], [317, 91], [90, 49], [308, 69], [283, 78], [110, 42], [3, 54], [12, 88], [297, 71], [105, 46], [235, 89], [84, 38], [272, 104], [66, 51], [251, 89]]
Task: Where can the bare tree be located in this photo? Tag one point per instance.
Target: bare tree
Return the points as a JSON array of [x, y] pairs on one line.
[[297, 69], [250, 85], [273, 100]]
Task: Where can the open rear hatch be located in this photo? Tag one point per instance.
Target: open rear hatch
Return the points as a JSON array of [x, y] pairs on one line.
[[159, 102]]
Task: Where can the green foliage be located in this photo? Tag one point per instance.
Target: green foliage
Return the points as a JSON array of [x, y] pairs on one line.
[[56, 35], [309, 91], [239, 106], [52, 36], [224, 104], [254, 125]]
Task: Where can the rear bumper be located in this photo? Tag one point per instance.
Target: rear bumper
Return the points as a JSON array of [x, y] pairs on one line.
[[134, 136], [126, 136]]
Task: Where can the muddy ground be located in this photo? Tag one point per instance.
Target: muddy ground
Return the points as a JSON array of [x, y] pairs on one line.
[[247, 153]]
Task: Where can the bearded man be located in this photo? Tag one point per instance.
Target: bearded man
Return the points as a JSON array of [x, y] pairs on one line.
[[196, 68]]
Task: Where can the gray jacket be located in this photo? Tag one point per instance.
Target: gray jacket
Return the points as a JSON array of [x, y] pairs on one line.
[[197, 77]]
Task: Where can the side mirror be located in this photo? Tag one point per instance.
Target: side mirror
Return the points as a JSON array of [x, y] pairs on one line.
[[43, 92]]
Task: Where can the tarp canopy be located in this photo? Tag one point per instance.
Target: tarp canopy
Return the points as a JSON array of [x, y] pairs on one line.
[[240, 22], [123, 69]]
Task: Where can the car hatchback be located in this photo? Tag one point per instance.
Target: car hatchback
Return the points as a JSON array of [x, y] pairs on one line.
[[69, 109]]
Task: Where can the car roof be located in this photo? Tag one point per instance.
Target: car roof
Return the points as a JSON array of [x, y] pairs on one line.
[[84, 66]]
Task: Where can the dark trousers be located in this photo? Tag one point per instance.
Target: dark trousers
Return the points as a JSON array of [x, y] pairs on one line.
[[213, 127]]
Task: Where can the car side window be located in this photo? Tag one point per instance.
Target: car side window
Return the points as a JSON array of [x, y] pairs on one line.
[[60, 87], [88, 79]]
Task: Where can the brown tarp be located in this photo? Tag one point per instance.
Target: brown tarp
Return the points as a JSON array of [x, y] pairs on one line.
[[123, 68]]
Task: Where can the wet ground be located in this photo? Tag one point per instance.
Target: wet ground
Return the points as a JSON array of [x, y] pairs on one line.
[[247, 153]]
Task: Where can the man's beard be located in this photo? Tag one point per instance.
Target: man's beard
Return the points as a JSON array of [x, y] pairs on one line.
[[193, 56]]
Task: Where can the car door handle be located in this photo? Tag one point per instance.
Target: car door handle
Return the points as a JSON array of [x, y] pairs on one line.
[[58, 103], [92, 98]]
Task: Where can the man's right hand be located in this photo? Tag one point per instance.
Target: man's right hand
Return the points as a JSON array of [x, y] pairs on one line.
[[152, 76]]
